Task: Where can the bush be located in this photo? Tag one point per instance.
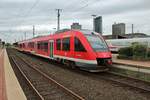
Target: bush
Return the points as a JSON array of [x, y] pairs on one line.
[[127, 51], [124, 57], [139, 50], [136, 52], [148, 53]]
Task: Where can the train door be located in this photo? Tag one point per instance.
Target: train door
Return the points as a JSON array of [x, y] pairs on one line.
[[51, 43]]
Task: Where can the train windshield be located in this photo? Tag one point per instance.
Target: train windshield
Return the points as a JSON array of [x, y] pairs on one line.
[[97, 43]]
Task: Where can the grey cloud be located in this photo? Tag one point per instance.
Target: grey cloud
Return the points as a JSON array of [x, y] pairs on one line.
[[16, 13]]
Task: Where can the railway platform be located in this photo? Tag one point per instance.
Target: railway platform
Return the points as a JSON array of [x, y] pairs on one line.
[[136, 69], [10, 88], [141, 64]]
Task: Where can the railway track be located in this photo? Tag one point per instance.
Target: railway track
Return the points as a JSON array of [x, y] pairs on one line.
[[126, 81], [24, 83], [45, 87], [123, 80], [118, 81]]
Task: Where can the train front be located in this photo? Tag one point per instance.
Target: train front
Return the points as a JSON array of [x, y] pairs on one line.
[[99, 51]]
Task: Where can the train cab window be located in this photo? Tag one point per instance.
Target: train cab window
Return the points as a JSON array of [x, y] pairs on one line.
[[66, 44], [97, 43], [78, 45], [58, 44]]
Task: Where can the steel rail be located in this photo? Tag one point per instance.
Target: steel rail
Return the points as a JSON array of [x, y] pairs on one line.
[[117, 81], [36, 91], [70, 92], [124, 83]]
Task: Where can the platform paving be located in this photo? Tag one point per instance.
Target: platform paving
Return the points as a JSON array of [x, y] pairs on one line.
[[9, 86], [2, 77], [130, 62], [13, 88]]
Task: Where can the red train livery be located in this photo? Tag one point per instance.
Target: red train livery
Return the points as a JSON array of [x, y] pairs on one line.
[[83, 48]]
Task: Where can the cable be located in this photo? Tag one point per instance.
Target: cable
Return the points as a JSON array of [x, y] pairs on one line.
[[26, 14], [30, 10], [32, 7]]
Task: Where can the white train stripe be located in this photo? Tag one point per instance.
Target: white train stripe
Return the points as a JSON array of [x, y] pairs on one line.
[[77, 60], [41, 55], [72, 59]]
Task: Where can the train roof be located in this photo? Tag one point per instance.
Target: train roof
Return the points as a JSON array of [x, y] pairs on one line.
[[47, 37], [84, 31]]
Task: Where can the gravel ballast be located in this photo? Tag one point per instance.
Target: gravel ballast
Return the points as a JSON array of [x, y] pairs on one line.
[[88, 87]]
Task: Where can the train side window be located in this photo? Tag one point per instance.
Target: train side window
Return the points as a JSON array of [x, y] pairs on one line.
[[31, 44], [23, 45], [45, 46], [58, 44], [20, 45], [66, 44], [38, 45], [78, 45]]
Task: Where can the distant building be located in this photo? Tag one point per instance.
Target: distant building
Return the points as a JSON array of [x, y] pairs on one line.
[[130, 35], [118, 29], [76, 26], [98, 24]]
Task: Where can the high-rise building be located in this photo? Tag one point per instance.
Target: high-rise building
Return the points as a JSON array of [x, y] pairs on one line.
[[76, 26], [98, 24], [118, 29]]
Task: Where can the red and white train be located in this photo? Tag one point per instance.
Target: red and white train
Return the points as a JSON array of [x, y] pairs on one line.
[[83, 48]]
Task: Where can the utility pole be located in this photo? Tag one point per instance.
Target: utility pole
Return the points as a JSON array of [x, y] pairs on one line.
[[93, 22], [21, 38], [58, 18], [132, 29], [25, 35], [54, 29], [33, 31]]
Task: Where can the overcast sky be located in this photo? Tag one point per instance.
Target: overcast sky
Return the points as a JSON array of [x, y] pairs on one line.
[[18, 16]]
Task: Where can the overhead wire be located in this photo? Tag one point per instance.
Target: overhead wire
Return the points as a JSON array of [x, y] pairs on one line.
[[86, 4], [26, 14], [30, 10]]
